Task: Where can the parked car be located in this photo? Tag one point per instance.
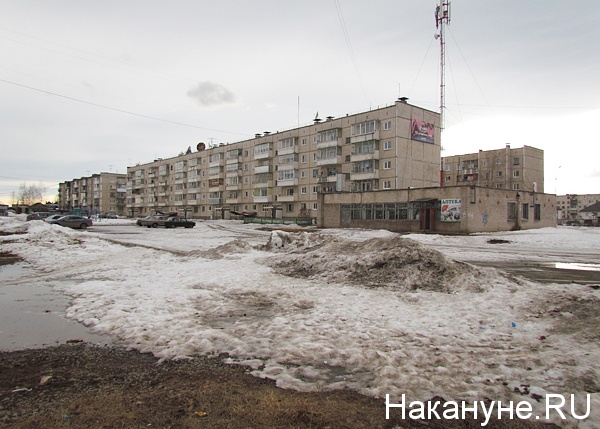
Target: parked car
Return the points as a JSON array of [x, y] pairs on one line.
[[139, 221], [73, 221], [154, 221], [54, 217], [174, 222], [38, 215]]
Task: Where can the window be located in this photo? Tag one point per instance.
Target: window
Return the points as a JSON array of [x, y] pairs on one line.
[[363, 128], [303, 190], [303, 159], [512, 211], [315, 189], [303, 142], [516, 161], [499, 161], [387, 184], [537, 212], [498, 173], [387, 125], [315, 206], [387, 145], [315, 173], [516, 173], [448, 179], [303, 174], [525, 211], [289, 208], [387, 165], [516, 186]]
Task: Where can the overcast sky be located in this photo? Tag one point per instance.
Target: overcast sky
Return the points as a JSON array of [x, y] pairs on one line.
[[90, 86]]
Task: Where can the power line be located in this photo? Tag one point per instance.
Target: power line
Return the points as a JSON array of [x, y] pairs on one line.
[[118, 110]]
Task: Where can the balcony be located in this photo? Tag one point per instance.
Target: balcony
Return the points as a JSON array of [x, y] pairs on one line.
[[232, 200], [365, 137], [216, 163], [287, 150], [215, 200], [364, 156], [287, 182], [262, 200], [286, 199], [330, 143], [263, 154], [266, 184], [365, 175], [232, 187], [263, 169], [334, 160]]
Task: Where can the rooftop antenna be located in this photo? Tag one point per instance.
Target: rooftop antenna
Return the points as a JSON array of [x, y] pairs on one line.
[[442, 19]]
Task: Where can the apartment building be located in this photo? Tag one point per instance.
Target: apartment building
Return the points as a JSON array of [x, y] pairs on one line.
[[569, 208], [520, 169], [103, 193], [283, 173]]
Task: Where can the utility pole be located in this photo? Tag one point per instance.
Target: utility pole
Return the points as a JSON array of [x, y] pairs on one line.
[[442, 19]]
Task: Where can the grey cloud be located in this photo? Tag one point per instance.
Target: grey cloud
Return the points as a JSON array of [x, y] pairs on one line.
[[210, 94]]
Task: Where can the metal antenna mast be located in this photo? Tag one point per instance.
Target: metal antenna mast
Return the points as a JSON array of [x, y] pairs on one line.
[[442, 18]]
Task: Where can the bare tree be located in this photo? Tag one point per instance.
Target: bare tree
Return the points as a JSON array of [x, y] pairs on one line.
[[30, 194]]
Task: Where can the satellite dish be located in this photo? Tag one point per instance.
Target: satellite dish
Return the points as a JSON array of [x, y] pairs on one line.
[[201, 146]]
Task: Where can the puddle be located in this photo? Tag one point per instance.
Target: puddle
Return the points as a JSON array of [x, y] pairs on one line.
[[578, 267], [32, 314]]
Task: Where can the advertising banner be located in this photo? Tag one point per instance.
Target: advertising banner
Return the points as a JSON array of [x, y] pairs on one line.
[[422, 131], [450, 211]]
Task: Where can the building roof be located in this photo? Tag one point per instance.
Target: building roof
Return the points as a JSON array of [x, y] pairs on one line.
[[592, 209]]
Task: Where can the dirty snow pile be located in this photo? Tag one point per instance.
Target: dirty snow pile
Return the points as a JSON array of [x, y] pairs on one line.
[[394, 262], [365, 310]]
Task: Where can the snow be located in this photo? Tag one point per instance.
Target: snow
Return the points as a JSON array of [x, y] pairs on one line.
[[373, 311]]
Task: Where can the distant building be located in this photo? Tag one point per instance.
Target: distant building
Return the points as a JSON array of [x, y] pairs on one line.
[[519, 169], [570, 208], [3, 210], [103, 193]]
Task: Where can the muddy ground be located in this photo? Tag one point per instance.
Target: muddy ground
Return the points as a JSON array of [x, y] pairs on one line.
[[84, 386]]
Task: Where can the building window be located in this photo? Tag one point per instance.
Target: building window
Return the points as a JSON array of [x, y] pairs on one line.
[[512, 211], [537, 212], [525, 211], [303, 142], [387, 184], [315, 206], [387, 145], [303, 174], [315, 189], [387, 165], [303, 190], [448, 179], [387, 125], [498, 173], [516, 173], [516, 161], [289, 208], [303, 159], [448, 167], [499, 161], [516, 186], [315, 173], [363, 128]]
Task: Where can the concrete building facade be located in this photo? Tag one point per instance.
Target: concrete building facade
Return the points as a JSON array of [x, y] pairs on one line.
[[102, 193], [448, 210], [283, 173], [569, 208], [520, 169]]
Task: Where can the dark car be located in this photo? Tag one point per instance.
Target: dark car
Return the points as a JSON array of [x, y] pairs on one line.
[[174, 222], [154, 221], [72, 221], [38, 215]]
